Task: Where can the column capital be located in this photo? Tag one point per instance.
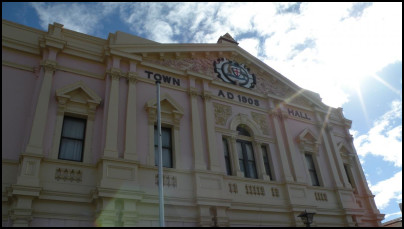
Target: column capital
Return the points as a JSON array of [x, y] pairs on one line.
[[131, 77], [49, 65], [193, 91]]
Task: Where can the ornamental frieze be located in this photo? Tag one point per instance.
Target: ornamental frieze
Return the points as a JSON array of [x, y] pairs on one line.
[[202, 66], [261, 120], [222, 113]]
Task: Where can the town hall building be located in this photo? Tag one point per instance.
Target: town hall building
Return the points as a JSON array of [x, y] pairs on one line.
[[242, 145]]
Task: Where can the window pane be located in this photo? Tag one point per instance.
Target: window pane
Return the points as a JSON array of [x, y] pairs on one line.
[[73, 128], [167, 158], [226, 156], [250, 155], [155, 136], [70, 149], [239, 150], [312, 170], [241, 162], [72, 139], [347, 173], [252, 172], [266, 161], [314, 178], [166, 147], [309, 160], [166, 137], [243, 131]]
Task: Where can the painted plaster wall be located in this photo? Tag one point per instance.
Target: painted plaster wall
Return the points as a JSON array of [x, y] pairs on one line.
[[16, 109]]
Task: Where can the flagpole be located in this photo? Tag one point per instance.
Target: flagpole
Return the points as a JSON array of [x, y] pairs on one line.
[[160, 155]]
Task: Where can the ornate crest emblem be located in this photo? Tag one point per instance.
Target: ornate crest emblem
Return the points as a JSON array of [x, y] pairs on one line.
[[232, 72]]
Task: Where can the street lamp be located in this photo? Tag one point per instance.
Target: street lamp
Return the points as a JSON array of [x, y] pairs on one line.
[[307, 217]]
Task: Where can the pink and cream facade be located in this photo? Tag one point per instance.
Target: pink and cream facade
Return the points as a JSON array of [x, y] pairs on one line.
[[242, 145]]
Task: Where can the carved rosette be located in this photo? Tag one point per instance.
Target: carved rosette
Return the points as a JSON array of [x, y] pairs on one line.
[[222, 113], [261, 120]]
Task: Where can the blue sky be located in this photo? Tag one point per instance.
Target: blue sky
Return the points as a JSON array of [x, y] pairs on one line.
[[349, 53]]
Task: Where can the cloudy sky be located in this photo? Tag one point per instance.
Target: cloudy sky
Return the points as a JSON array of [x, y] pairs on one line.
[[349, 53]]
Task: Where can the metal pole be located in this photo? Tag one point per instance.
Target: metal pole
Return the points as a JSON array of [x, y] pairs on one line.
[[160, 161]]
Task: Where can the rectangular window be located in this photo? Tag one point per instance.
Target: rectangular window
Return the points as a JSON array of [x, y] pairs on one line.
[[246, 159], [312, 170], [226, 156], [72, 140], [266, 161], [166, 147], [348, 174]]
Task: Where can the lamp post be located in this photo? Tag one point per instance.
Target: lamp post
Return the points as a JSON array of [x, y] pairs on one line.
[[307, 217]]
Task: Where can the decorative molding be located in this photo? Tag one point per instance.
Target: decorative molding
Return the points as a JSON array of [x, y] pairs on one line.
[[68, 175], [271, 85], [233, 188], [200, 65], [168, 180], [49, 65], [308, 141], [320, 196], [254, 190], [222, 113], [275, 192], [261, 120]]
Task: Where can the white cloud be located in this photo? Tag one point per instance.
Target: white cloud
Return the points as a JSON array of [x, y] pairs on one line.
[[251, 45], [81, 17], [348, 42], [384, 138], [388, 190]]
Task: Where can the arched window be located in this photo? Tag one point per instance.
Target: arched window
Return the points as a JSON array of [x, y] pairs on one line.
[[246, 153]]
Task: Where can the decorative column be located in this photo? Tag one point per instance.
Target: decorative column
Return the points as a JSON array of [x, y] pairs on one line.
[[111, 139], [292, 152], [234, 158], [199, 161], [322, 126], [210, 129], [130, 135], [281, 146], [337, 158], [27, 186], [358, 167], [35, 144], [262, 174]]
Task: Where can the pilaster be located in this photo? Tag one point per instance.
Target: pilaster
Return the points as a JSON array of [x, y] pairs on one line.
[[281, 146], [337, 157], [130, 136], [35, 144], [322, 126], [210, 129], [292, 152], [199, 161], [111, 140]]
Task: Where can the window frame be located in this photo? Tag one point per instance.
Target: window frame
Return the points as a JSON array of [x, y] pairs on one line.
[[268, 162], [312, 170], [245, 160], [170, 147], [83, 140]]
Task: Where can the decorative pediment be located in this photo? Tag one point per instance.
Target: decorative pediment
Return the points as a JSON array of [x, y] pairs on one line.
[[78, 94], [308, 141], [345, 152], [171, 111]]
